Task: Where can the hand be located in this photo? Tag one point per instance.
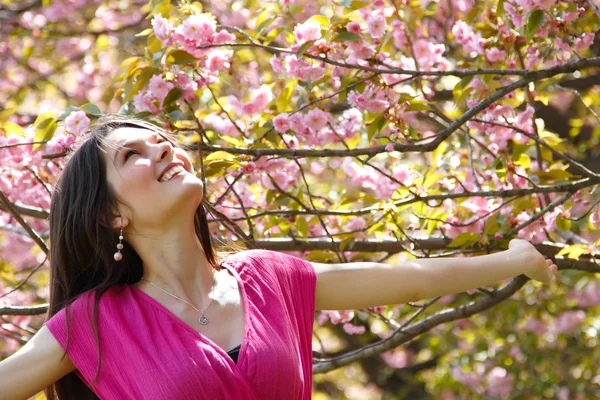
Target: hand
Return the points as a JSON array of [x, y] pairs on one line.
[[537, 267]]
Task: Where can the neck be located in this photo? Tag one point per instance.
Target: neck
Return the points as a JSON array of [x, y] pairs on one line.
[[176, 262]]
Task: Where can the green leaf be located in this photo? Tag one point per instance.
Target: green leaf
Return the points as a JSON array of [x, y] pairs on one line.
[[417, 106], [305, 46], [431, 179], [43, 117], [181, 57], [563, 224], [491, 225], [355, 5], [171, 98], [45, 130], [573, 251], [126, 68], [176, 115], [376, 126], [283, 101], [534, 22], [344, 243], [345, 35], [524, 161], [554, 174], [500, 8], [465, 239], [11, 128], [145, 32], [219, 155], [302, 226], [7, 113], [322, 20], [92, 109]]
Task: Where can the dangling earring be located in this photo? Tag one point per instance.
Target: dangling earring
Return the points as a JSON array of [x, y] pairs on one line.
[[118, 255]]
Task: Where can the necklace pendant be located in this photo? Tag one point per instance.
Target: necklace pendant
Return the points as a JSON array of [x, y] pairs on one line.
[[203, 320]]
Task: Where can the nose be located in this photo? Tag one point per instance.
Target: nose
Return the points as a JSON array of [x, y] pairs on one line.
[[163, 149]]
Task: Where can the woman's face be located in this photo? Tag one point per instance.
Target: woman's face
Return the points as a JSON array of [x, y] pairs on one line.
[[136, 158]]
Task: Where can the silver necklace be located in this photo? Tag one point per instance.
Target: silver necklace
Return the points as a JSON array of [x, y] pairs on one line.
[[203, 318]]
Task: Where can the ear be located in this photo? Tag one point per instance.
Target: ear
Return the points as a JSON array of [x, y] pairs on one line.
[[117, 221]]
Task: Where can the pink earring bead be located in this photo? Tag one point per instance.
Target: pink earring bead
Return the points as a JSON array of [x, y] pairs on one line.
[[118, 256]]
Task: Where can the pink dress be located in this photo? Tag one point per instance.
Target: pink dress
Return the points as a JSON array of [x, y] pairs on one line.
[[148, 353]]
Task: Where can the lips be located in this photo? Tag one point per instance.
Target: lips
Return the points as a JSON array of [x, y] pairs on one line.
[[169, 166]]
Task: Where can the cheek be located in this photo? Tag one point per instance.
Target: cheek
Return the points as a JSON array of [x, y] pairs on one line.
[[140, 174]]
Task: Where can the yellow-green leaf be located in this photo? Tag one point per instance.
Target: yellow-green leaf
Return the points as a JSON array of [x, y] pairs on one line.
[[322, 20], [219, 155], [11, 128], [534, 22], [465, 239]]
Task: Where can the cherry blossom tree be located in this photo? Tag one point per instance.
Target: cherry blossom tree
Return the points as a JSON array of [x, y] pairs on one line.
[[343, 131]]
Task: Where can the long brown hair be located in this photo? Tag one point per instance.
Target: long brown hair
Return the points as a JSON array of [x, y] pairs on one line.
[[81, 239]]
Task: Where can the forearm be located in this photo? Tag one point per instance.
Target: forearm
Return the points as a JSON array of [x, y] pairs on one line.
[[443, 276]]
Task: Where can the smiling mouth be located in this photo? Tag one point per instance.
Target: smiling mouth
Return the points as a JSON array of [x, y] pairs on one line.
[[173, 177]]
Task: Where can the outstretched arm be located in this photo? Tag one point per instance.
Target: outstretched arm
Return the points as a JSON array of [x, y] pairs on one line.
[[366, 284]]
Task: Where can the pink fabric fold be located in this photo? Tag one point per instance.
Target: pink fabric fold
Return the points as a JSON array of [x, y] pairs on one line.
[[149, 353]]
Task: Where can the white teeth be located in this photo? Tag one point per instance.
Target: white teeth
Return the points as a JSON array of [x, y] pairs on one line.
[[172, 172]]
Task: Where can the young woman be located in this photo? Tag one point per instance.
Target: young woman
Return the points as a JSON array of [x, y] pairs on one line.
[[154, 312]]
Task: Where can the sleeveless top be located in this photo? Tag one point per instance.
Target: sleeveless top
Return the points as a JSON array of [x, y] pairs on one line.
[[149, 353], [233, 353]]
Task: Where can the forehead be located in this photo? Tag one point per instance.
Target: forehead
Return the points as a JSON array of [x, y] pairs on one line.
[[125, 135]]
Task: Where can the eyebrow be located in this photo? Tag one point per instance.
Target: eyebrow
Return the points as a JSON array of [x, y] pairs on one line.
[[127, 143]]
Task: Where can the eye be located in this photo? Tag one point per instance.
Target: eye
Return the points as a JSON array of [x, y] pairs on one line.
[[159, 139], [128, 153]]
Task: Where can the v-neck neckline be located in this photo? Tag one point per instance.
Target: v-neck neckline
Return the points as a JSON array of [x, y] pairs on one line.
[[245, 308]]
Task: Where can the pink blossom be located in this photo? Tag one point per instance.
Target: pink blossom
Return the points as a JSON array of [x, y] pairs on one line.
[[159, 88], [428, 53], [261, 97], [162, 27], [223, 125], [197, 27], [218, 60], [465, 36], [403, 173], [389, 147], [589, 296], [355, 224], [248, 168], [567, 322], [585, 41], [339, 316], [77, 122], [376, 106], [469, 379], [499, 383], [376, 25], [494, 54], [357, 100], [223, 37], [302, 69], [284, 173], [142, 102], [316, 119], [353, 329], [276, 64], [353, 27], [298, 124], [281, 123], [310, 30], [595, 219], [396, 358]]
